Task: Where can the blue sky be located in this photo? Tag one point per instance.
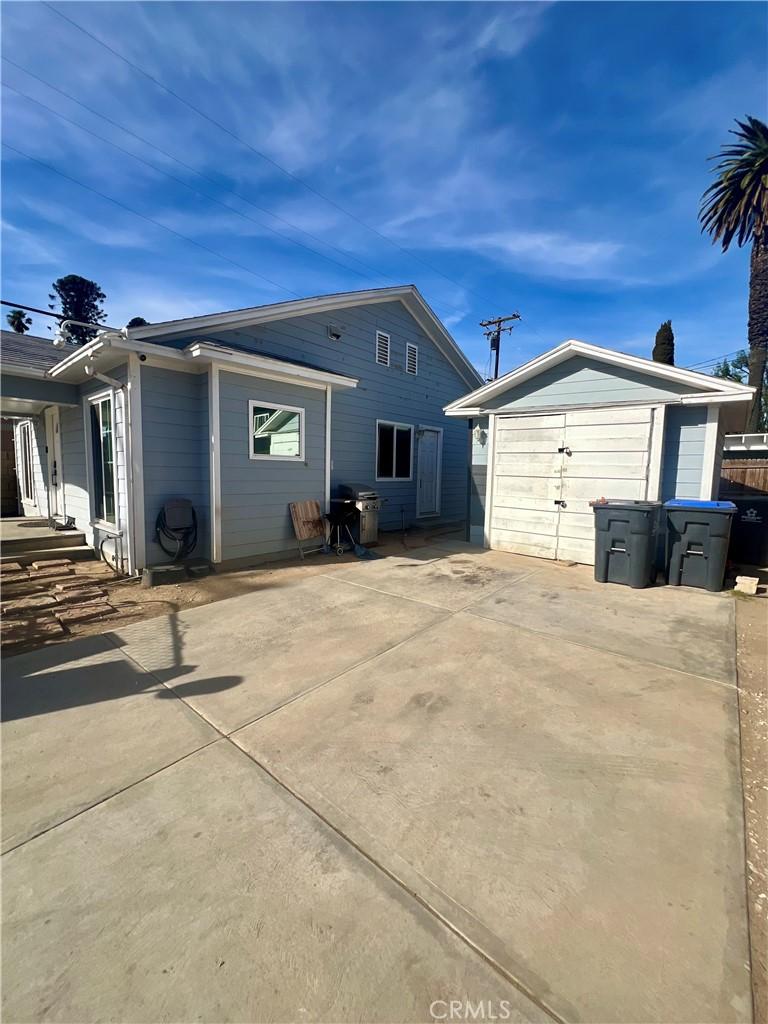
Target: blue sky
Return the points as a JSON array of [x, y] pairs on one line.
[[541, 157]]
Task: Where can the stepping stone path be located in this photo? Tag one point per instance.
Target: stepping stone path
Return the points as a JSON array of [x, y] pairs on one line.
[[40, 601]]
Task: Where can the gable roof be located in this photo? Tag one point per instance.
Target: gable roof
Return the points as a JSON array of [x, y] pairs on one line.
[[702, 384], [27, 355], [408, 294]]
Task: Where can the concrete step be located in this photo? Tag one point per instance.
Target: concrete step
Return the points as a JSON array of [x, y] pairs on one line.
[[53, 541], [77, 552]]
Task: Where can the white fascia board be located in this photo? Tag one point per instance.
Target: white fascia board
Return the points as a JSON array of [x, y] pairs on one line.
[[275, 311], [255, 363], [571, 348], [28, 372], [467, 413], [711, 398], [76, 360]]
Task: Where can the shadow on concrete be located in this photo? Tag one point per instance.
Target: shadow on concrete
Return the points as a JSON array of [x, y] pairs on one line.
[[50, 680]]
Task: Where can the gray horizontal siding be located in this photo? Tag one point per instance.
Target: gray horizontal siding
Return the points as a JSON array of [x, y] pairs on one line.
[[384, 392], [255, 493], [683, 460], [174, 413], [582, 381]]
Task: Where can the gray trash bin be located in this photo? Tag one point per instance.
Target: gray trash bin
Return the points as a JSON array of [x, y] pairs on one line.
[[625, 541], [697, 542]]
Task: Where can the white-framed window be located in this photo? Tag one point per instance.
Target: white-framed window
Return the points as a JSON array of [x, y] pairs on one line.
[[394, 450], [103, 462], [411, 358], [275, 431], [382, 348], [25, 473]]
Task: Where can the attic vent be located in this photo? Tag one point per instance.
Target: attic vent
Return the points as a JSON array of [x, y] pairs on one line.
[[382, 348], [411, 358]]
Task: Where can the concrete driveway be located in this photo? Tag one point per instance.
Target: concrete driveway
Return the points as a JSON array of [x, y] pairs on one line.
[[451, 775]]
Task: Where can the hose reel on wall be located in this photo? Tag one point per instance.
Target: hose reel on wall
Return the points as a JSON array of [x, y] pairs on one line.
[[176, 528]]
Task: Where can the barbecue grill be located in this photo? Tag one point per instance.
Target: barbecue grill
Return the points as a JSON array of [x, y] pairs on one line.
[[365, 504]]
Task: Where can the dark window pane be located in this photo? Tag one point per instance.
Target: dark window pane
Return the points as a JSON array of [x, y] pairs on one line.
[[386, 450], [103, 461], [403, 452]]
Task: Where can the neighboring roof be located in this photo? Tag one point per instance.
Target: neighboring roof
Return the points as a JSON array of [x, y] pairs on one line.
[[474, 402], [408, 294], [27, 355]]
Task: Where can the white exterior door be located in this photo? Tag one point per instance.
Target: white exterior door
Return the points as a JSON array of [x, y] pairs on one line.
[[526, 484], [55, 477], [428, 456], [548, 468]]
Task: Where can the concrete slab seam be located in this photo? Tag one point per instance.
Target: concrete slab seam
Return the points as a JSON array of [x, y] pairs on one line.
[[109, 796], [601, 650]]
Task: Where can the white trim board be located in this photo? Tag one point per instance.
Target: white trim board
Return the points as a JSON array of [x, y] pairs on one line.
[[138, 532], [709, 458], [712, 386], [214, 437]]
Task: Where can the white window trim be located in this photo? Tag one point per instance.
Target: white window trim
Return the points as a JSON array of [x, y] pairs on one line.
[[410, 347], [102, 524], [383, 334], [278, 408], [393, 479], [26, 462]]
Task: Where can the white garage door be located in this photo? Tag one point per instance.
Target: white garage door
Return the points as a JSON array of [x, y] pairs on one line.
[[548, 468]]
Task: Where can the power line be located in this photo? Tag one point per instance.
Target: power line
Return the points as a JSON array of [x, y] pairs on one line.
[[150, 220], [180, 181], [373, 270], [263, 156], [715, 359], [32, 309]]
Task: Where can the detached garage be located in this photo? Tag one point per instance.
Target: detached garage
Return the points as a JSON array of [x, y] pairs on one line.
[[582, 422]]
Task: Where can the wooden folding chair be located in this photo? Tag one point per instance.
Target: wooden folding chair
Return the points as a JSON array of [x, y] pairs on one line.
[[308, 524]]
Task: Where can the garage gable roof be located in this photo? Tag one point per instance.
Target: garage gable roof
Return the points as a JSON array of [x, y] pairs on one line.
[[408, 294], [700, 383]]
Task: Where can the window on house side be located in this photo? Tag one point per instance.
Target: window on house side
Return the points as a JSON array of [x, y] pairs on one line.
[[411, 358], [103, 454], [276, 431], [394, 451], [382, 348]]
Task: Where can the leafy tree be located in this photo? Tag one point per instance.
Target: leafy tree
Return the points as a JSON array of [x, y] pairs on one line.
[[19, 321], [80, 299], [664, 349], [735, 207], [137, 321], [738, 370]]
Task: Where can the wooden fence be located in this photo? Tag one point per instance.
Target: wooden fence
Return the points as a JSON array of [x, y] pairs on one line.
[[743, 478]]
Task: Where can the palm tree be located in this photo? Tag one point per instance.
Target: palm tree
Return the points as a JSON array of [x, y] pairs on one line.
[[19, 321], [735, 206]]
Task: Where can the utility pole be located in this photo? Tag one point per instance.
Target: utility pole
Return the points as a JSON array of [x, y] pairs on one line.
[[493, 331]]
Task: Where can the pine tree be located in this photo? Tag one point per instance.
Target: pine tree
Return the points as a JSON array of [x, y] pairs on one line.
[[664, 349], [80, 299]]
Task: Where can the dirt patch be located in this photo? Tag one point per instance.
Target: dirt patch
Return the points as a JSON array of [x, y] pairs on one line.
[[129, 602], [752, 656]]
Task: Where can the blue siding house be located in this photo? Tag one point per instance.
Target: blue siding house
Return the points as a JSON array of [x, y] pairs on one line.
[[245, 411], [582, 422]]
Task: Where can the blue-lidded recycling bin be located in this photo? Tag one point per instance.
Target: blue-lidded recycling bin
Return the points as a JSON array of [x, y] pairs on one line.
[[697, 542]]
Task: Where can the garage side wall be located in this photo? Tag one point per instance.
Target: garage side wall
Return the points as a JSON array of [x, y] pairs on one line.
[[684, 441], [255, 493]]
